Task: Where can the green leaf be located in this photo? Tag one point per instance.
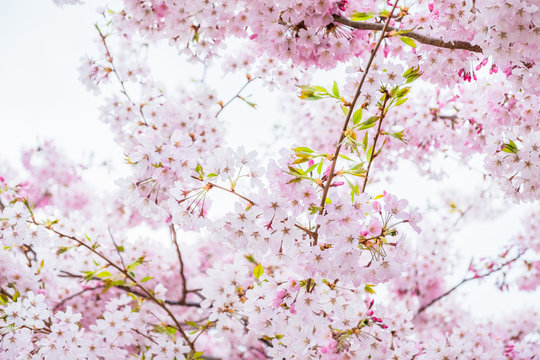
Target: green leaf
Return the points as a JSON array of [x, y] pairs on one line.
[[335, 90], [369, 288], [368, 123], [319, 168], [365, 141], [311, 168], [368, 153], [197, 355], [401, 101], [62, 250], [408, 41], [412, 74], [103, 274], [312, 92], [146, 278], [357, 116], [192, 324], [344, 109], [361, 16], [401, 93], [258, 271], [399, 135], [302, 149], [511, 147]]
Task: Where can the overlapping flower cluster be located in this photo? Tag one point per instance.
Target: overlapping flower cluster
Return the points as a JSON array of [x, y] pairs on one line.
[[303, 261]]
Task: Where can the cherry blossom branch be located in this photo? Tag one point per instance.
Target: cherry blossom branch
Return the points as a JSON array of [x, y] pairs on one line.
[[179, 254], [374, 153], [348, 117], [2, 207], [66, 299], [237, 96], [455, 45], [465, 280], [151, 296], [251, 202], [131, 290], [115, 72], [116, 248]]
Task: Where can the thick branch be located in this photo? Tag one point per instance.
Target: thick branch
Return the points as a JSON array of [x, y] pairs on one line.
[[502, 266], [456, 45]]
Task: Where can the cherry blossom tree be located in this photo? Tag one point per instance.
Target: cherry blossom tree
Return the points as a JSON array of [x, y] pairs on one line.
[[207, 250]]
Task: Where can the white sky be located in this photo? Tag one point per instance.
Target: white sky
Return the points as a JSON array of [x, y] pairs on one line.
[[41, 98]]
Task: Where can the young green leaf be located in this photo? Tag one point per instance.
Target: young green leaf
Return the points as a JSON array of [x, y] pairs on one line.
[[357, 116], [258, 271], [408, 41]]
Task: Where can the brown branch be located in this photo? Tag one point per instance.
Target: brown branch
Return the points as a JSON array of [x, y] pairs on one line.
[[179, 254], [373, 152], [455, 45], [131, 290], [149, 294], [502, 266], [347, 119], [116, 247], [2, 207], [64, 300]]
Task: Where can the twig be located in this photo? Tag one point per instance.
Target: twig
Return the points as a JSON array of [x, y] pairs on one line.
[[151, 296], [116, 247], [63, 301], [455, 45], [349, 114], [251, 202], [502, 266], [2, 207], [131, 290], [179, 254], [115, 72], [373, 152], [250, 79]]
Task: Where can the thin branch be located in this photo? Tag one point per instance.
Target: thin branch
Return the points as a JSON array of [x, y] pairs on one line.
[[455, 45], [115, 72], [349, 114], [250, 79], [502, 266], [151, 296], [131, 290], [179, 254], [116, 247], [64, 300], [2, 207], [373, 152], [251, 202]]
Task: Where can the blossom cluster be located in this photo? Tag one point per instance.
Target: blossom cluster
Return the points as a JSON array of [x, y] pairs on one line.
[[207, 250]]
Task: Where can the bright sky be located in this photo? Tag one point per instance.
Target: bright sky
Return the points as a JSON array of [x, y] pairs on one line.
[[41, 98]]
